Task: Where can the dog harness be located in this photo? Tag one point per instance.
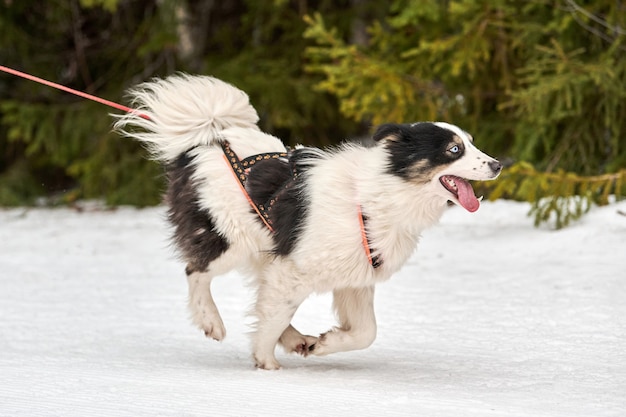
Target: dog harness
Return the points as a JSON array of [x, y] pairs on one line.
[[240, 169]]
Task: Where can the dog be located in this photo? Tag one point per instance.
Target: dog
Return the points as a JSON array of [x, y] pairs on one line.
[[298, 221]]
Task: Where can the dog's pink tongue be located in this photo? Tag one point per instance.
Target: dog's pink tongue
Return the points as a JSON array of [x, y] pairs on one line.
[[466, 196]]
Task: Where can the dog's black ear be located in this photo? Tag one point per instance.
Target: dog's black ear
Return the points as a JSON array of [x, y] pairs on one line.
[[389, 131]]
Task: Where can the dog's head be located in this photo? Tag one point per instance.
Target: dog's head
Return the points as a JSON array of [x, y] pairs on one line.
[[439, 155]]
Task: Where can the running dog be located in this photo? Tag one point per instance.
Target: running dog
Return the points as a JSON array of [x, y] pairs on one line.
[[298, 221]]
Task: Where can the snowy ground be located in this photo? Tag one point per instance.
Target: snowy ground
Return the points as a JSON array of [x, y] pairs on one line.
[[491, 317]]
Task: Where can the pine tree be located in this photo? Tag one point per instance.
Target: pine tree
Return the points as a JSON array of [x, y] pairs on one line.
[[55, 143], [538, 82], [542, 84]]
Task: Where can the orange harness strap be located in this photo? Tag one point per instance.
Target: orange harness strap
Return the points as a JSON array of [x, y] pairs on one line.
[[375, 261]]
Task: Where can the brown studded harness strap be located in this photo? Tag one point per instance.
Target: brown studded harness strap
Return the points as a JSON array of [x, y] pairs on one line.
[[240, 171]]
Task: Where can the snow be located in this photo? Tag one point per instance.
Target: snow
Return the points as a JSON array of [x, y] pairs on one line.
[[491, 317]]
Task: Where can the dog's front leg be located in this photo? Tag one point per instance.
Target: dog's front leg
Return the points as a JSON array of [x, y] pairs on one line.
[[275, 306], [357, 330]]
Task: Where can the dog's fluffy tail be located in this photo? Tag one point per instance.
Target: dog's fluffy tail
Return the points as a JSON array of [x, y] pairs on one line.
[[174, 114]]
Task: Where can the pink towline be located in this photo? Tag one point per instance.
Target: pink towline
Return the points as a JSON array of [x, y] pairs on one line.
[[72, 91]]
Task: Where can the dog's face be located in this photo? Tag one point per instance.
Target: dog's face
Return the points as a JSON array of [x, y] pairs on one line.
[[438, 155]]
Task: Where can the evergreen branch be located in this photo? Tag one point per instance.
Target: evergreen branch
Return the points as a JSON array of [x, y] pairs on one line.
[[556, 197], [575, 9]]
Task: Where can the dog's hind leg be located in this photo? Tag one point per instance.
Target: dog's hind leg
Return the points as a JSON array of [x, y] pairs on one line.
[[204, 313], [357, 330], [293, 341]]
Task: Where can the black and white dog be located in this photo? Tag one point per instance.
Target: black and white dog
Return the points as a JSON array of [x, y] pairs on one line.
[[300, 221]]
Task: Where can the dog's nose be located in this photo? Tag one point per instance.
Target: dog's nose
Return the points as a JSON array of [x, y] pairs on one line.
[[495, 166]]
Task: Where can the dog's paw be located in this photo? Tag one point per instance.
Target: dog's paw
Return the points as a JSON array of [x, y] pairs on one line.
[[210, 324], [267, 364], [306, 345], [214, 331], [293, 341], [302, 345], [319, 347]]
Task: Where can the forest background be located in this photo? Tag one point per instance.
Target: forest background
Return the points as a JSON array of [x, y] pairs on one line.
[[540, 84]]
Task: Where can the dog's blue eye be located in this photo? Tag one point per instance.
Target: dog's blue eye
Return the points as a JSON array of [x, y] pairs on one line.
[[454, 149]]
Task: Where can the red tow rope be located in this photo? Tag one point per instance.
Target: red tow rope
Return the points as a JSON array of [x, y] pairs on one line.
[[71, 90]]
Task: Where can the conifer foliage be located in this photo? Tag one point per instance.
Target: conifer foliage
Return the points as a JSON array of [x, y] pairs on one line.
[[539, 83], [60, 146], [542, 83]]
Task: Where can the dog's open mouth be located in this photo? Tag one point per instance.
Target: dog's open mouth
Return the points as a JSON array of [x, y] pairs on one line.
[[462, 190]]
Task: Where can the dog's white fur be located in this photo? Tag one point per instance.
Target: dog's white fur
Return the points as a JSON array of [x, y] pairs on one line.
[[191, 113]]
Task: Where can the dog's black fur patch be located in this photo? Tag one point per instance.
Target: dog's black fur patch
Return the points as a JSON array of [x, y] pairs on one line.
[[287, 216], [284, 181], [266, 177], [194, 229], [409, 144]]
